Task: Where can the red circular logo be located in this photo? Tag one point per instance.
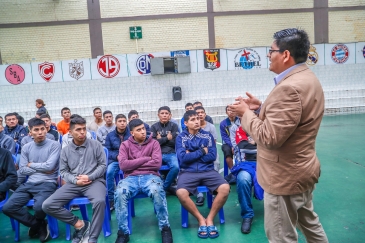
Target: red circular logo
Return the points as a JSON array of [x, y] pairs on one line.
[[108, 66], [15, 74], [340, 53]]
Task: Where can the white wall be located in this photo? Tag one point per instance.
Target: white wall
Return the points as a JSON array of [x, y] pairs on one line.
[[344, 87]]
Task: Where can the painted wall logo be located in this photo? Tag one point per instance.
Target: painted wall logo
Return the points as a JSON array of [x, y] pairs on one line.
[[212, 59], [143, 64], [247, 59], [312, 56], [180, 53], [76, 69], [15, 74], [108, 66], [46, 70], [340, 53]]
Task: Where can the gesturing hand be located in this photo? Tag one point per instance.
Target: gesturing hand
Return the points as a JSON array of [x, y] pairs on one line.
[[239, 107], [252, 102]]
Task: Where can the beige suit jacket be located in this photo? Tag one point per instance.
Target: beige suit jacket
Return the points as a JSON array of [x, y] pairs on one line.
[[285, 132]]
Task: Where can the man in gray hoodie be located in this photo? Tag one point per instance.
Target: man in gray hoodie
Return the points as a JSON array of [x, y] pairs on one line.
[[39, 161]]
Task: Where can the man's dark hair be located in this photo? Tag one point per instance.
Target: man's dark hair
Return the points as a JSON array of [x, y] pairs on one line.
[[199, 108], [132, 113], [65, 109], [75, 116], [189, 114], [77, 120], [107, 112], [35, 122], [11, 114], [45, 116], [120, 116], [226, 108], [95, 109], [1, 117], [188, 104], [39, 113], [20, 120], [197, 103], [135, 123], [164, 108], [294, 40]]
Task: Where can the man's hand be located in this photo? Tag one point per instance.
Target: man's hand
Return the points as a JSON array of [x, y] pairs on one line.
[[252, 101], [187, 151], [83, 177], [239, 107], [169, 135], [49, 172], [28, 165], [82, 183], [206, 150], [158, 135]]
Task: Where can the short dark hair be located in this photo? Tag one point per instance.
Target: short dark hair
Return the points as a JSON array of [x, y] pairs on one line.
[[20, 120], [39, 113], [45, 116], [120, 116], [74, 116], [199, 108], [107, 112], [65, 109], [131, 113], [11, 114], [95, 109], [198, 102], [188, 104], [77, 120], [294, 40], [164, 108], [189, 114], [135, 123], [35, 122], [226, 108]]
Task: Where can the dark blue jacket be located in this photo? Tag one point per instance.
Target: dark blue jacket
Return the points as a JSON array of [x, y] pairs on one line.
[[16, 133], [195, 160], [224, 129], [113, 141]]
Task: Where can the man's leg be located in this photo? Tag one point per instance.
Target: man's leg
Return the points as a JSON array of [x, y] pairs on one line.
[[219, 201], [189, 205], [126, 189], [244, 192], [40, 194], [96, 192], [308, 222], [170, 160], [112, 170], [228, 155]]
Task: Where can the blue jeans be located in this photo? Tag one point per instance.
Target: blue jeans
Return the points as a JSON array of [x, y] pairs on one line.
[[171, 161], [133, 185], [111, 172], [244, 191]]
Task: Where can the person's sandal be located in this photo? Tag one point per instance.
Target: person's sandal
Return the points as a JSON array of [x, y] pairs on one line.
[[212, 229], [203, 229]]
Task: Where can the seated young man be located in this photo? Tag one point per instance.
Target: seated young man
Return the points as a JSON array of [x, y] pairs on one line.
[[133, 114], [16, 131], [95, 124], [82, 166], [8, 174], [196, 151], [112, 143], [140, 159], [67, 137], [165, 133], [64, 125], [6, 142], [188, 107], [207, 118], [47, 119], [107, 128], [39, 161]]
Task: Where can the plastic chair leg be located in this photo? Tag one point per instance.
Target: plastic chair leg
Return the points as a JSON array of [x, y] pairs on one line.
[[12, 224], [106, 223], [53, 227], [184, 217], [221, 216], [225, 172], [83, 210], [17, 229], [130, 216]]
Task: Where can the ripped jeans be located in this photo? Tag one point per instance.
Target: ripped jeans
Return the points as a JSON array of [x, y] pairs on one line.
[[129, 187]]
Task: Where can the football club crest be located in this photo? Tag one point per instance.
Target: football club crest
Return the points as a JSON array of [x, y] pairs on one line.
[[247, 59], [46, 71], [312, 56], [340, 53], [143, 64], [76, 69], [108, 66], [212, 59], [15, 74]]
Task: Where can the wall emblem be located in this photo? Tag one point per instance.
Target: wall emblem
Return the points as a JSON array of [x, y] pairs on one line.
[[46, 71], [212, 59], [15, 74], [312, 56], [340, 53], [143, 64], [247, 59], [76, 69], [108, 66]]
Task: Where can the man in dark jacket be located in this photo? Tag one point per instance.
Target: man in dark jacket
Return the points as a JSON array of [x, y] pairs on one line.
[[15, 131], [165, 133], [6, 142], [8, 175], [196, 151], [112, 143], [133, 114]]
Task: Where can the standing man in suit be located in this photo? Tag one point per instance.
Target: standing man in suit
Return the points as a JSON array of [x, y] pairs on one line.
[[285, 131]]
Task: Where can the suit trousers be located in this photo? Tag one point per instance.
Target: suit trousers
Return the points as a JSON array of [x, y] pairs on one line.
[[284, 213]]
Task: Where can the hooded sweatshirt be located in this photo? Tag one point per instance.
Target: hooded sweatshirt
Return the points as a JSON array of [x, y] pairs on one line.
[[140, 159]]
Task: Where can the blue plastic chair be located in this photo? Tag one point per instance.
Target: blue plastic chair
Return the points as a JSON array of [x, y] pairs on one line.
[[2, 203], [17, 147], [93, 134], [60, 138], [82, 202], [185, 213]]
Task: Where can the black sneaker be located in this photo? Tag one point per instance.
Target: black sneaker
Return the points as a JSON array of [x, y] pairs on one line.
[[122, 238], [199, 200], [166, 235], [33, 230], [43, 231], [79, 234], [74, 208]]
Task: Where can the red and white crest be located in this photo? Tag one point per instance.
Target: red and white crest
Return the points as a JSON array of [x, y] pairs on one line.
[[46, 70]]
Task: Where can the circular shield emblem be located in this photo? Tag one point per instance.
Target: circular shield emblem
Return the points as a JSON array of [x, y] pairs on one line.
[[108, 66], [247, 59], [143, 64], [340, 53], [15, 74]]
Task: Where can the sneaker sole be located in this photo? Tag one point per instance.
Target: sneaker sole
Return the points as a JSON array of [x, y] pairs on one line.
[[87, 230]]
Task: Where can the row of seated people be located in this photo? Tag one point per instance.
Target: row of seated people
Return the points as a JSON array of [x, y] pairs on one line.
[[165, 136]]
